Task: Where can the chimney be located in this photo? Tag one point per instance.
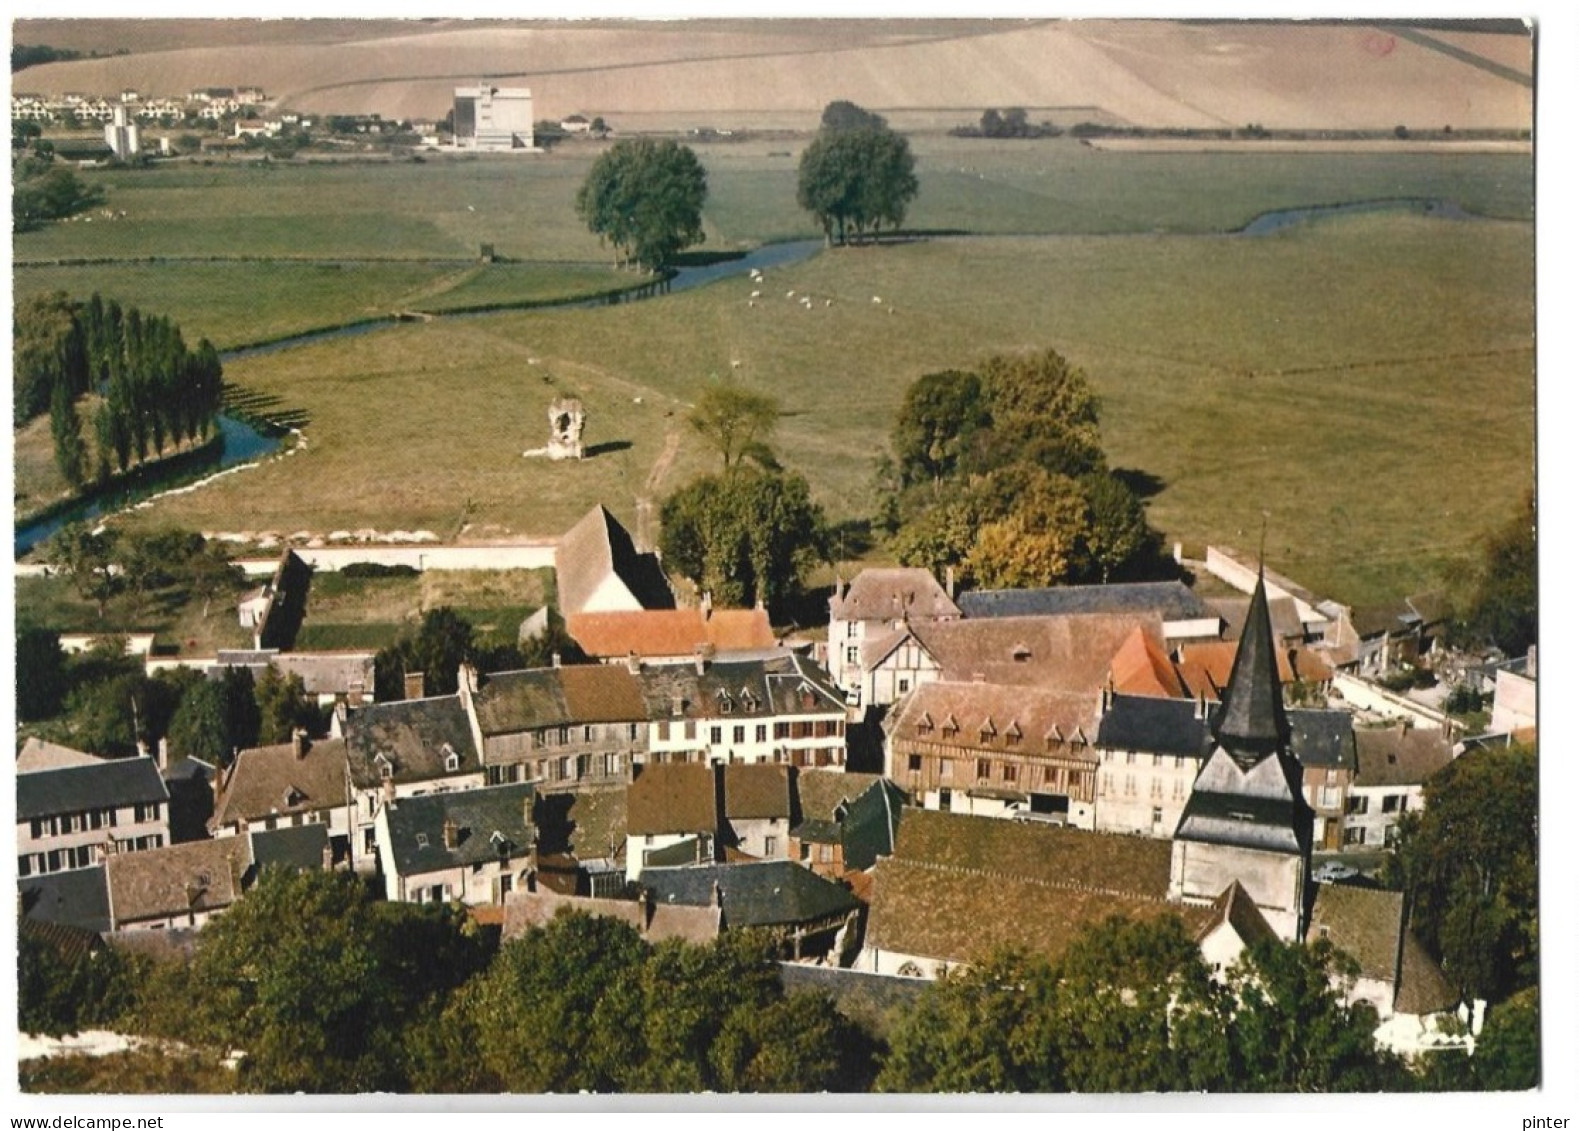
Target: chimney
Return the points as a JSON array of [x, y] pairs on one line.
[[452, 835], [948, 581], [328, 856], [554, 659], [701, 661], [718, 894], [416, 685], [164, 754], [633, 663], [707, 604], [1200, 705], [1529, 662], [676, 705], [466, 678], [389, 792], [1107, 694], [644, 901], [299, 743]]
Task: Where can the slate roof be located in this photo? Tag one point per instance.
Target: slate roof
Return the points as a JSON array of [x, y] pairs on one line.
[[892, 594], [78, 897], [989, 716], [1171, 600], [510, 702], [858, 994], [768, 893], [1257, 808], [672, 798], [108, 784], [1321, 738], [198, 876], [1252, 722], [272, 779], [322, 673], [527, 910], [490, 823], [299, 848], [597, 547], [756, 792], [1071, 653], [1399, 756], [36, 755], [749, 689], [1149, 725], [962, 906], [670, 632], [412, 734]]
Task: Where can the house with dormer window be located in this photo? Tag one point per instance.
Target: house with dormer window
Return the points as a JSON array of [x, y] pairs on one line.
[[992, 750], [474, 847], [407, 748], [301, 782]]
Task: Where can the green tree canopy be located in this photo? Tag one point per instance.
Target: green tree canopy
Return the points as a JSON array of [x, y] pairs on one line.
[[1467, 861], [645, 198], [745, 536], [737, 422], [41, 679], [316, 980], [857, 175], [1499, 598]]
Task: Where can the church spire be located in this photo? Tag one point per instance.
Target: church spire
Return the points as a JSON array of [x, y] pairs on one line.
[[1252, 724]]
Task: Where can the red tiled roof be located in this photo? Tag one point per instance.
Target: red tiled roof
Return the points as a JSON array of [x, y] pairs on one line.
[[1141, 667], [670, 632]]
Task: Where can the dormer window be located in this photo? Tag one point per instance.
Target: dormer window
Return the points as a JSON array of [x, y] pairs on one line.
[[422, 840], [924, 725], [452, 760], [1013, 735], [726, 705], [950, 727], [386, 768], [988, 731]]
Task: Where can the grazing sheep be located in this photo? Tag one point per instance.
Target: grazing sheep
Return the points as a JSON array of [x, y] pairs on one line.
[[735, 364], [789, 294], [756, 294], [877, 300], [827, 302]]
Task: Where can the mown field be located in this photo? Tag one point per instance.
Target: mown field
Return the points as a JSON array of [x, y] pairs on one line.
[[1368, 380]]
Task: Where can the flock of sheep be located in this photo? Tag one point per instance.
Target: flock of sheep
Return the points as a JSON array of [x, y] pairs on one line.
[[807, 301]]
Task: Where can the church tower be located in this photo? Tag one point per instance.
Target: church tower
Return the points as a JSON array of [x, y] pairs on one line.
[[1247, 819]]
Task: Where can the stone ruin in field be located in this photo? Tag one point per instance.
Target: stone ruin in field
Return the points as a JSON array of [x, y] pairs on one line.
[[566, 419]]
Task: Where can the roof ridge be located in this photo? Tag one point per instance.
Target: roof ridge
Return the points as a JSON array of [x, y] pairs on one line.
[[1062, 885]]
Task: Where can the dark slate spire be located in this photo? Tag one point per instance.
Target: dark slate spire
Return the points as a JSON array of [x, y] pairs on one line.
[[1251, 723]]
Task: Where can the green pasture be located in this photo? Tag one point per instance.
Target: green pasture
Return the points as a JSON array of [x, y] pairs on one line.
[[373, 612], [52, 602], [1367, 380]]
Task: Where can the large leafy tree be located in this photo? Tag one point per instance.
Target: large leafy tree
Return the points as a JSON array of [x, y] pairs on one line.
[[317, 980], [1508, 1052], [1292, 1030], [737, 422], [857, 175], [41, 679], [744, 536], [938, 421], [645, 198], [1499, 598], [1467, 862], [88, 557]]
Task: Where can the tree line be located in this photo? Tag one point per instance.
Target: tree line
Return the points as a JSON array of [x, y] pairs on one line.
[[327, 988], [149, 391]]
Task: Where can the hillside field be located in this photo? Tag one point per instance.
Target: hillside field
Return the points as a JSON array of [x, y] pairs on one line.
[[1368, 379]]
